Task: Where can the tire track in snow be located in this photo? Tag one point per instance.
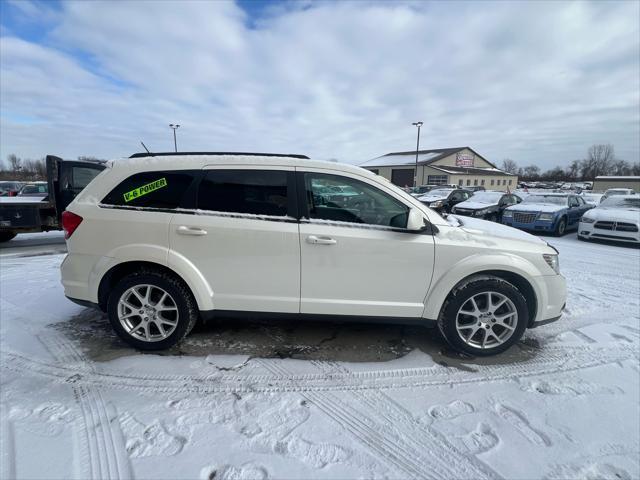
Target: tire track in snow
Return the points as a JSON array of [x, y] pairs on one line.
[[548, 361], [388, 430], [101, 447]]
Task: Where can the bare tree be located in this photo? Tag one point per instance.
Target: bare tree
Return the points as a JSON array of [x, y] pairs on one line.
[[509, 166], [15, 162], [41, 169], [573, 170], [532, 172], [599, 161]]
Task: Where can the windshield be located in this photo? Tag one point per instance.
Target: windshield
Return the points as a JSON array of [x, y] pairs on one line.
[[548, 199], [486, 197], [33, 189], [622, 202], [440, 192]]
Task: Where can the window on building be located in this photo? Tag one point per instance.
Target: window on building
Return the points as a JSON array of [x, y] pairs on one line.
[[504, 182], [482, 182], [460, 182], [437, 179], [509, 181], [162, 189], [257, 192], [475, 182], [468, 182], [492, 182]]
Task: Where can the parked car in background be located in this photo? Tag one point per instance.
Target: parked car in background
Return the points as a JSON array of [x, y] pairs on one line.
[[42, 212], [487, 205], [476, 188], [204, 235], [9, 188], [421, 190], [618, 191], [35, 189], [444, 199], [616, 218], [592, 198], [547, 212]]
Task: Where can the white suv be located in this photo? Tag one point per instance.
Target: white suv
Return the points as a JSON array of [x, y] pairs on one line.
[[158, 241]]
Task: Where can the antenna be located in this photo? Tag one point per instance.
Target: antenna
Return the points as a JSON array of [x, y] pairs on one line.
[[145, 147]]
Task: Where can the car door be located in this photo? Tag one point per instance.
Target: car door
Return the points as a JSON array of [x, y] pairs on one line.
[[243, 238], [358, 258], [574, 211]]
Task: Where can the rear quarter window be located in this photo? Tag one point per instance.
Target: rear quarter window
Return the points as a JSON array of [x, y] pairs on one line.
[[161, 189]]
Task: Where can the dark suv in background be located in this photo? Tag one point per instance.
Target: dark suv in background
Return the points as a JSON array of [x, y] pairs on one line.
[[443, 199], [487, 205]]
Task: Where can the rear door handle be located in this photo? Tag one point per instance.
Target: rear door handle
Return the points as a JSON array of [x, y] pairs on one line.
[[195, 231], [315, 240]]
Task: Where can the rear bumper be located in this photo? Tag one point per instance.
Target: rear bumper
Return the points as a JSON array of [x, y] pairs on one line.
[[76, 273]]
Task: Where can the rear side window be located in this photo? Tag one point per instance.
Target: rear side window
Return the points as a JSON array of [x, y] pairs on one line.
[[151, 189], [256, 192]]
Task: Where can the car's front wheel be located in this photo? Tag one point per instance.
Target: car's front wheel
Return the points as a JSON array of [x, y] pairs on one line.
[[151, 310], [484, 316], [561, 228]]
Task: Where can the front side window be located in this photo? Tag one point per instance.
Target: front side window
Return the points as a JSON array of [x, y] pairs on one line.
[[357, 202], [163, 189], [254, 192]]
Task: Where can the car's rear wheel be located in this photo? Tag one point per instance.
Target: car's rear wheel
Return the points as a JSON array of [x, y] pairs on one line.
[[151, 310], [561, 228], [6, 236], [484, 316]]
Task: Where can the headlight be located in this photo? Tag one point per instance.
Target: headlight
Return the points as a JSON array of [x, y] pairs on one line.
[[436, 204], [553, 261], [484, 211], [587, 220], [507, 214], [453, 210], [546, 217]]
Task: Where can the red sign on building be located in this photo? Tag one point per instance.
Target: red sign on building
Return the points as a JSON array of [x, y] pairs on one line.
[[464, 159]]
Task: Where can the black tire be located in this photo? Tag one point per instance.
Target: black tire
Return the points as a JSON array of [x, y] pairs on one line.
[[6, 236], [186, 307], [561, 228], [492, 217], [461, 294]]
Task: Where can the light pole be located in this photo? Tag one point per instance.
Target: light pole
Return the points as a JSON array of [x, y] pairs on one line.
[[174, 127], [415, 178]]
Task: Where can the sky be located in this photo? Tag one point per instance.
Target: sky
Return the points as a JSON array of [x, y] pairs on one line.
[[537, 82]]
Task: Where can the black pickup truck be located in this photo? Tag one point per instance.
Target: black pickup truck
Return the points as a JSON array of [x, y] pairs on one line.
[[65, 178]]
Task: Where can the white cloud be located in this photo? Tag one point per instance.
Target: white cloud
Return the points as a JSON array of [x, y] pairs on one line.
[[537, 82]]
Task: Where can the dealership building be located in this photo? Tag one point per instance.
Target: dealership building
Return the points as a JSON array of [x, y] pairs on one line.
[[603, 183], [461, 166]]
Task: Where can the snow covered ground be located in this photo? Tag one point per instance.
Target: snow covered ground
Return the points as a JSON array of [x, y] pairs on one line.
[[252, 400]]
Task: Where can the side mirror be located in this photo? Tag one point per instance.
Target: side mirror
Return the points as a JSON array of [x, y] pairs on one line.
[[415, 222]]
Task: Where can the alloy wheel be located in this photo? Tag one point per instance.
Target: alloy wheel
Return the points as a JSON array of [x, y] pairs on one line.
[[148, 313], [486, 320]]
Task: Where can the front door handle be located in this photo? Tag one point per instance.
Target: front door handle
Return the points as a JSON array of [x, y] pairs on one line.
[[315, 240], [195, 231]]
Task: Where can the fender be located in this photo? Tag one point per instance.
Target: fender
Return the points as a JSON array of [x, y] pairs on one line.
[[153, 254], [476, 264]]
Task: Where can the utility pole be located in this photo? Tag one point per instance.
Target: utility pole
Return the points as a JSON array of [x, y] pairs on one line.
[[415, 178], [174, 127]]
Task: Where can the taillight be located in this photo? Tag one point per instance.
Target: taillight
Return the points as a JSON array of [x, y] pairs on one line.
[[12, 193], [70, 221]]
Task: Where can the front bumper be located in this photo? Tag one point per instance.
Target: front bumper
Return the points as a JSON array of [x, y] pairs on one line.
[[552, 298], [536, 225], [589, 231]]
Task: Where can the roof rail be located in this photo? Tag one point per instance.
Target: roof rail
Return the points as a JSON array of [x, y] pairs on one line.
[[167, 154]]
